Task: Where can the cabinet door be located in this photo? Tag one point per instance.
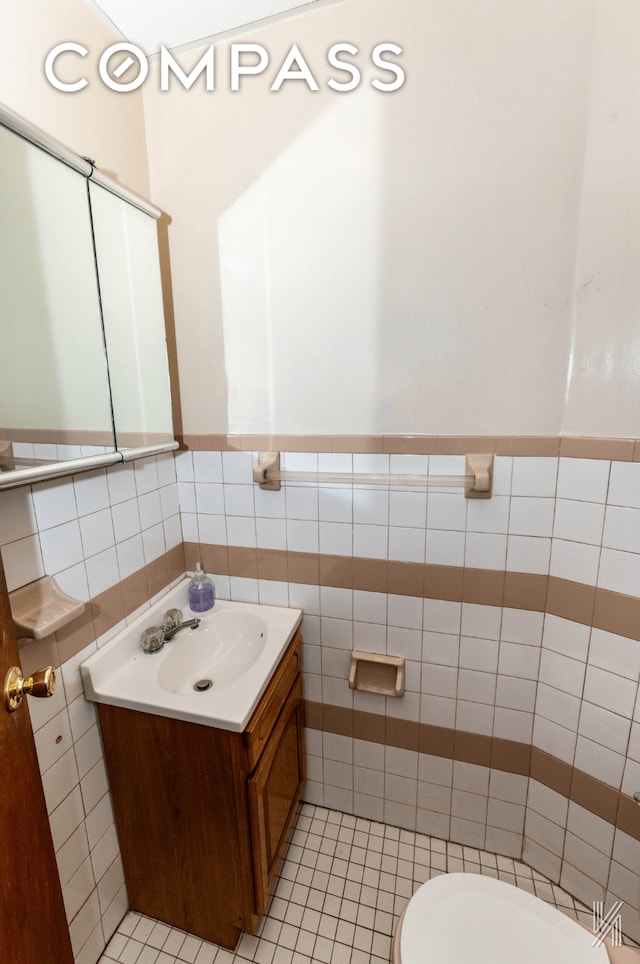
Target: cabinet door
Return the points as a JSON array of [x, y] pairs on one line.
[[274, 791]]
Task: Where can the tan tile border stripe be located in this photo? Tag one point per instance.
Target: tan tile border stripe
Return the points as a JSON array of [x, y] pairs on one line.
[[610, 611], [618, 449], [509, 756]]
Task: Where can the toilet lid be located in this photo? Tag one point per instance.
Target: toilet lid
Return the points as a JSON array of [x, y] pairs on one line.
[[471, 919]]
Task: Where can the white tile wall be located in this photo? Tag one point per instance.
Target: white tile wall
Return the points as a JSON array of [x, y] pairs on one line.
[[510, 673]]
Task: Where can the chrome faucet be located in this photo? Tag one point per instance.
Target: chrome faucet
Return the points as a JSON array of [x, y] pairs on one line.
[[154, 638], [188, 624]]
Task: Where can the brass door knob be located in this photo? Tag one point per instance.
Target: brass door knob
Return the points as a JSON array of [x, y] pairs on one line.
[[41, 684]]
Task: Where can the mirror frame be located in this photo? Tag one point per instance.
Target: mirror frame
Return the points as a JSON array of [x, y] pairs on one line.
[[36, 473]]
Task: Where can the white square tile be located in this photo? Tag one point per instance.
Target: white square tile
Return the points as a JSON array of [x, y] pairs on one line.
[[531, 516], [474, 717], [271, 533], [301, 501], [602, 726], [624, 484], [150, 509], [18, 514], [438, 710], [61, 547], [622, 529], [522, 626], [519, 660], [405, 611], [575, 561], [476, 687], [442, 616], [207, 467], [335, 503], [130, 556], [485, 550], [370, 505], [102, 571], [480, 654], [209, 498], [488, 515], [54, 503], [562, 672], [336, 602], [617, 654], [211, 530], [153, 544], [238, 500], [96, 531], [335, 538], [579, 521], [554, 739], [301, 462], [408, 508], [121, 483], [370, 607], [610, 691], [126, 519], [237, 467], [22, 562], [187, 497], [533, 476], [269, 504], [446, 510], [406, 643], [601, 762], [241, 531], [370, 541], [169, 504], [481, 621], [528, 554], [407, 545], [146, 475], [60, 779], [558, 707], [566, 637], [619, 572], [584, 479], [445, 548], [91, 491], [440, 648], [516, 694]]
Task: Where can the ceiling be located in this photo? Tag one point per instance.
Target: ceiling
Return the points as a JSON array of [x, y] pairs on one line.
[[152, 23]]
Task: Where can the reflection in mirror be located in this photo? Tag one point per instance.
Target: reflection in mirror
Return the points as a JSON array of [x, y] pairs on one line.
[[54, 396], [126, 241]]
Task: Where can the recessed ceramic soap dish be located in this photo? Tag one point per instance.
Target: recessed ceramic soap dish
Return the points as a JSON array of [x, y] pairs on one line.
[[41, 608], [377, 673]]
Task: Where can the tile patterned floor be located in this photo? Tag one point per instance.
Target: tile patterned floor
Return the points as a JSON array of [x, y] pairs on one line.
[[341, 888]]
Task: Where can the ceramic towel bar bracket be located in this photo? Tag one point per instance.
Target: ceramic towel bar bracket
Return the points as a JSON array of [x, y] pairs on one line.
[[477, 480]]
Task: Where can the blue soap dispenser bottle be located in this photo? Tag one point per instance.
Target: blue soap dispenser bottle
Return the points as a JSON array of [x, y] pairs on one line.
[[201, 592]]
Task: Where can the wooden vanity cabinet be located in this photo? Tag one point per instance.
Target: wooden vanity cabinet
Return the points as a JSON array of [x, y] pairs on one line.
[[202, 814]]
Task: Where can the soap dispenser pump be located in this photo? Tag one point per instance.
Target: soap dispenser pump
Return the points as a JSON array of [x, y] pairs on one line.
[[201, 592]]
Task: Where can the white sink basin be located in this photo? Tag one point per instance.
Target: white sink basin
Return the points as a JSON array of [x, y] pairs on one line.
[[214, 674]]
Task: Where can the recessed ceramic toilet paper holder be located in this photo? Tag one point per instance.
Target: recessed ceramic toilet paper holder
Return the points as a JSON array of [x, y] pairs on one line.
[[377, 673]]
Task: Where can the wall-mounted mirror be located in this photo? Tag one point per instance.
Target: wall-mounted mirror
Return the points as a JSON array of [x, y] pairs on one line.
[[84, 376]]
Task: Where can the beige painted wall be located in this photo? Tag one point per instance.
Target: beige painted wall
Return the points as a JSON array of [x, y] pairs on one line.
[[95, 122], [402, 262]]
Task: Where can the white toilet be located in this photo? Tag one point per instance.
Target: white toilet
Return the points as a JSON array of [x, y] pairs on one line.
[[471, 919]]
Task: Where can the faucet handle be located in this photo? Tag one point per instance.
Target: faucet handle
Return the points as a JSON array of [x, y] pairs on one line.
[[171, 619], [153, 639]]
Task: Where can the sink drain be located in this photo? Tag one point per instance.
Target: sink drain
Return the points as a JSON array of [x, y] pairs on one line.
[[202, 685]]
